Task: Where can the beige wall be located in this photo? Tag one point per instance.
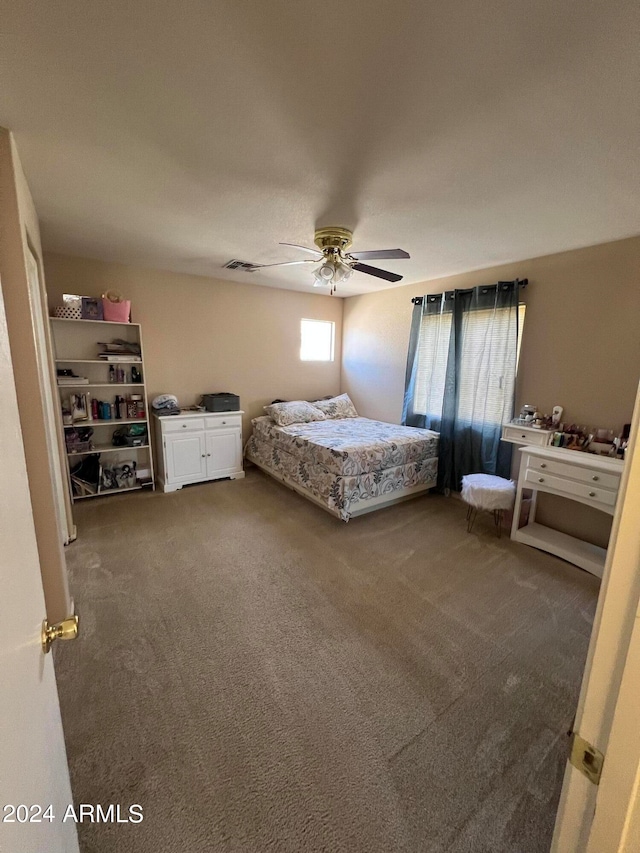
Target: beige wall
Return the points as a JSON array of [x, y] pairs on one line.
[[206, 335], [580, 345], [18, 230]]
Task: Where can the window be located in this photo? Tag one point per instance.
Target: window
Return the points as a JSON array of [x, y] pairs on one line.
[[476, 376], [316, 340]]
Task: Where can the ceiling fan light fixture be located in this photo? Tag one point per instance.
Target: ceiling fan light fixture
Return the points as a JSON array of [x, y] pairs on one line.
[[332, 271], [342, 272]]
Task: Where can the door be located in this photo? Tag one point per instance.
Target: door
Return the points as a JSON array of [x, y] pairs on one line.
[[186, 457], [224, 452], [33, 764], [605, 818], [616, 822]]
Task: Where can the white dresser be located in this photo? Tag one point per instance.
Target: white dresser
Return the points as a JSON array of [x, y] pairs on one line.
[[583, 477], [197, 446]]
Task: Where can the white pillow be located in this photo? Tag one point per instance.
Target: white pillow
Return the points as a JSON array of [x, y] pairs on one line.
[[337, 407], [296, 412]]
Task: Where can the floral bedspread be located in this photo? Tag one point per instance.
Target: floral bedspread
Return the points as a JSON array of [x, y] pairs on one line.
[[331, 465], [351, 446]]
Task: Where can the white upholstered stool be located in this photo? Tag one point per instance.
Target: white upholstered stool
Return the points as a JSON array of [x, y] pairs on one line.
[[490, 493]]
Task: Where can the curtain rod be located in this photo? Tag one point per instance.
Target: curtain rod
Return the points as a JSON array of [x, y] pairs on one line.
[[521, 282]]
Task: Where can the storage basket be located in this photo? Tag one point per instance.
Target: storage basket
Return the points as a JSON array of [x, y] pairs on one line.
[[116, 312], [67, 312], [79, 446]]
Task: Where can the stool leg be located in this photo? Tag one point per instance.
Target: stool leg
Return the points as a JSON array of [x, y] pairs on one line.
[[497, 518], [471, 518]]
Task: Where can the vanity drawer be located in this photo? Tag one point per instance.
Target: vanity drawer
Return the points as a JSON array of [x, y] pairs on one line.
[[176, 424], [537, 479], [526, 435], [575, 472], [224, 421]]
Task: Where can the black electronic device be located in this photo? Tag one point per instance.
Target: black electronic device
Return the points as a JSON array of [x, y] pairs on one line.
[[221, 402]]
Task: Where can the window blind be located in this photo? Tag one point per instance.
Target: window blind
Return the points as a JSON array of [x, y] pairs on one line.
[[483, 388]]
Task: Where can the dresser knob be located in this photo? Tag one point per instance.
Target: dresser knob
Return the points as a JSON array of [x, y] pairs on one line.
[[208, 454], [592, 494], [184, 426], [543, 464], [203, 455], [595, 477], [541, 479]]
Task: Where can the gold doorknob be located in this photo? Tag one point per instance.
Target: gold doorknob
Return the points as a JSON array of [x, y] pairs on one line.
[[65, 630]]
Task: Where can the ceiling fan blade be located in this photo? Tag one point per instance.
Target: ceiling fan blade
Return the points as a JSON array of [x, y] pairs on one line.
[[284, 264], [385, 274], [315, 252], [380, 254]]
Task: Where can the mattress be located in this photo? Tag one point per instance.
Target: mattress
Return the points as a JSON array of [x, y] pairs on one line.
[[345, 462], [351, 446]]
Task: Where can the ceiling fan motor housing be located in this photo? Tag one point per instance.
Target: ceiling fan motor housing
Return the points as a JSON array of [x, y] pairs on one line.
[[335, 238]]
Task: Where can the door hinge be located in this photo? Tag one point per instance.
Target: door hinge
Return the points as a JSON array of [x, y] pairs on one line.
[[586, 758]]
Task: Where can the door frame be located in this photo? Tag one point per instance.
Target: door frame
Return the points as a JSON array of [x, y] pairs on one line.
[[53, 417]]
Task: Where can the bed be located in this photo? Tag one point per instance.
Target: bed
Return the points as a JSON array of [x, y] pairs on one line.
[[348, 466]]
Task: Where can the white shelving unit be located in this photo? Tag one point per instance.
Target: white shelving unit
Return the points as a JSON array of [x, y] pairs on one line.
[[76, 346]]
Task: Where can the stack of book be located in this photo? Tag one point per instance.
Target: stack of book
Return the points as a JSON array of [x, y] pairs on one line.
[[72, 380], [120, 350]]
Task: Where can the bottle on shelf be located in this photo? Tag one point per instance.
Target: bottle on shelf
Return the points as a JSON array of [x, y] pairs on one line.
[[112, 373]]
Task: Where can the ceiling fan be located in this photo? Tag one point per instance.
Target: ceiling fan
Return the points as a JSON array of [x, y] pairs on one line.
[[337, 263]]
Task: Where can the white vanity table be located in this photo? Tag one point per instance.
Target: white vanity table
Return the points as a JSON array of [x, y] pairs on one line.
[[583, 477]]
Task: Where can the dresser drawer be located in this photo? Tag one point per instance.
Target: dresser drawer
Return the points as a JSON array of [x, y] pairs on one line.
[[538, 479], [177, 424], [224, 421], [526, 435], [575, 472]]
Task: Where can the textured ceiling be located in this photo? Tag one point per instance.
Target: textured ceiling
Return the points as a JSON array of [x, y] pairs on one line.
[[182, 134]]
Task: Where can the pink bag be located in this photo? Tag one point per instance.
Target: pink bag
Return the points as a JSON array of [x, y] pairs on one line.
[[117, 312]]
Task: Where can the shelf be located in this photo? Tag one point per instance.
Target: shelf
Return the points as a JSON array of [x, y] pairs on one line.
[[108, 491], [106, 422], [93, 372], [97, 360], [577, 551], [103, 385], [104, 322], [106, 448]]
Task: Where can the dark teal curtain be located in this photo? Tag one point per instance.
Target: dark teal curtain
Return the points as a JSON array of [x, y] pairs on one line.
[[427, 361], [460, 378]]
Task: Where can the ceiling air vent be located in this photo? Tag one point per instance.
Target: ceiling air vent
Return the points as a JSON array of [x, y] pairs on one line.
[[241, 265]]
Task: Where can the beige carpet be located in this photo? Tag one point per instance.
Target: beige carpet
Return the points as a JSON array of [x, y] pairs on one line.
[[262, 677]]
